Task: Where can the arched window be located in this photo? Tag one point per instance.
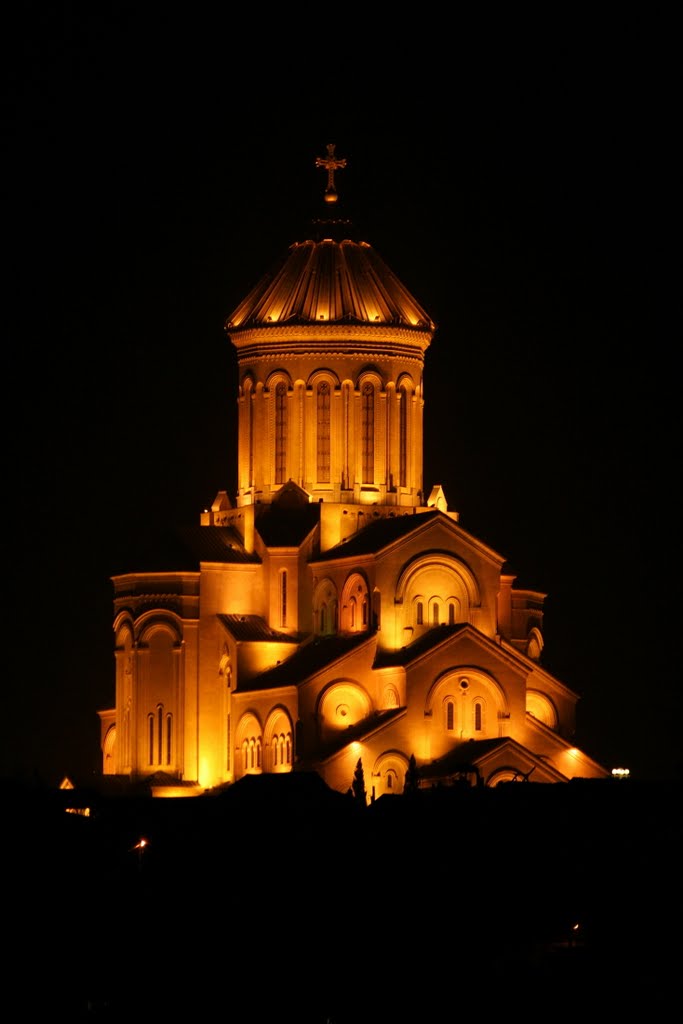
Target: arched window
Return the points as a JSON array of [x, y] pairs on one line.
[[450, 716], [435, 614], [477, 716], [250, 431], [249, 742], [159, 737], [325, 608], [419, 609], [282, 749], [368, 433], [353, 614], [160, 732], [451, 614], [169, 737], [280, 432], [403, 435], [323, 422], [283, 597]]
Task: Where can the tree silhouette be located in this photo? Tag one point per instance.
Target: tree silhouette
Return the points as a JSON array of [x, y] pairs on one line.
[[412, 776], [358, 784]]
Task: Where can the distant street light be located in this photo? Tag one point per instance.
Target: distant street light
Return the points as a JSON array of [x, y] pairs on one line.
[[140, 846]]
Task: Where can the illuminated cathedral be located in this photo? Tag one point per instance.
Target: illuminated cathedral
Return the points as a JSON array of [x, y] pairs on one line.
[[333, 611]]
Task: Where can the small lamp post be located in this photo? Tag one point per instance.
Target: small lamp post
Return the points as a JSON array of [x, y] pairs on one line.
[[141, 846]]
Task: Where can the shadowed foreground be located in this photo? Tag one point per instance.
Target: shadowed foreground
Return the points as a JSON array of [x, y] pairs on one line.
[[283, 901]]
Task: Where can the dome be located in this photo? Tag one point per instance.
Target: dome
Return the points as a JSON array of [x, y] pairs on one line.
[[330, 282]]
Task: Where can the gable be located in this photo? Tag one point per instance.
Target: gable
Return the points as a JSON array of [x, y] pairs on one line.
[[490, 762], [421, 530]]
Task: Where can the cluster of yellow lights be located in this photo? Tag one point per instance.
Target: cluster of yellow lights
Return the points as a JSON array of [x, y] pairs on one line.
[[620, 773]]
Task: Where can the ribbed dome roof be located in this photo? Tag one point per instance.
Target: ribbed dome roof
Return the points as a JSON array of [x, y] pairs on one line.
[[330, 281]]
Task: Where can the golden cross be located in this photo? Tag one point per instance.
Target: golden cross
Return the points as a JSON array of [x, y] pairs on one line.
[[331, 163]]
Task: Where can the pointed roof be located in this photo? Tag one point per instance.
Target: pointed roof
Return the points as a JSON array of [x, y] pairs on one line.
[[171, 548], [377, 534], [284, 525], [308, 659], [254, 628]]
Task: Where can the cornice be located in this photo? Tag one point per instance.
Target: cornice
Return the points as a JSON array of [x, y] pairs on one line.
[[300, 337]]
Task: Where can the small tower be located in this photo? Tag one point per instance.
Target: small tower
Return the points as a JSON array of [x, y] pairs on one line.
[[330, 348]]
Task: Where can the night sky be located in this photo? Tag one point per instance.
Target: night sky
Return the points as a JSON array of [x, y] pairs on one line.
[[154, 170]]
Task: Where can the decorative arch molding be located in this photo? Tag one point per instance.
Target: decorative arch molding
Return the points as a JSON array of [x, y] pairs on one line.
[[323, 374], [535, 644], [279, 376], [405, 382], [389, 773], [225, 666], [453, 679], [371, 375], [355, 604], [153, 625], [109, 752], [325, 603], [499, 775], [248, 725], [342, 704], [124, 632], [446, 570], [156, 627], [390, 696], [540, 706], [249, 745], [247, 384], [278, 735], [416, 609]]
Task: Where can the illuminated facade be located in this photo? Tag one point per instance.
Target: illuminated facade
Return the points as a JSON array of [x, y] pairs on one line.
[[334, 610]]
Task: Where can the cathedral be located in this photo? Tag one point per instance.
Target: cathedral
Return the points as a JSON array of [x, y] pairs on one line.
[[332, 614]]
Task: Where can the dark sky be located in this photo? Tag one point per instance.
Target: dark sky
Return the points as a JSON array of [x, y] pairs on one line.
[[155, 169]]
